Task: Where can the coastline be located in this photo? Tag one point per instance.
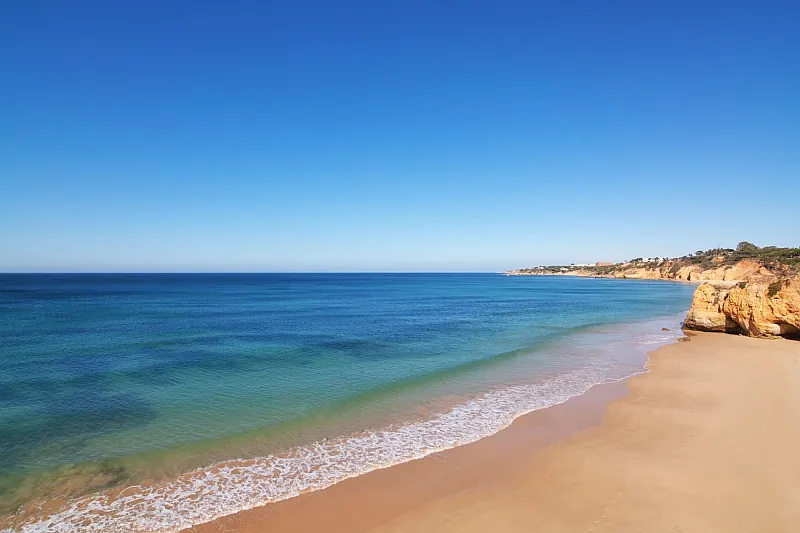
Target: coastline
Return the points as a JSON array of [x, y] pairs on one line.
[[752, 291], [704, 441], [603, 276], [411, 484]]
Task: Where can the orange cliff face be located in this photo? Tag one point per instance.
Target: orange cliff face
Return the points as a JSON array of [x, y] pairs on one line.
[[762, 306], [747, 297], [670, 270], [740, 271], [744, 298]]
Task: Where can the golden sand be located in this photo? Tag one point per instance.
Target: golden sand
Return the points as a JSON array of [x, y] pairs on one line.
[[708, 441]]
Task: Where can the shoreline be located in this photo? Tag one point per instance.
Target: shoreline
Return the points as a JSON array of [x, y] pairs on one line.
[[543, 428], [553, 457], [197, 496]]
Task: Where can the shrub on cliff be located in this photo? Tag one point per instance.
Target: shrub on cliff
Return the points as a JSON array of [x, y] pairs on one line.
[[774, 288]]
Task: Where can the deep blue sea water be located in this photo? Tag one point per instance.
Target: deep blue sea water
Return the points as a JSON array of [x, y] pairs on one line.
[[112, 380]]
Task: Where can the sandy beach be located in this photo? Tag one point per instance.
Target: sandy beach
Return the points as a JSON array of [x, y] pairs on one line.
[[706, 441]]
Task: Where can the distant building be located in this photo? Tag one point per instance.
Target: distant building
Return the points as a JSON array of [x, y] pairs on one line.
[[603, 264]]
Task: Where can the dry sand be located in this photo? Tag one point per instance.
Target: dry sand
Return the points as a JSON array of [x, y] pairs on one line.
[[708, 441]]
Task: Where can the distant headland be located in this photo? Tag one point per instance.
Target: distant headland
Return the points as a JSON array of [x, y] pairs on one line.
[[749, 289]]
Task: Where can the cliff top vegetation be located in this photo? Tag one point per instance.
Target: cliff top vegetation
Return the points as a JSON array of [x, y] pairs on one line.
[[776, 258]]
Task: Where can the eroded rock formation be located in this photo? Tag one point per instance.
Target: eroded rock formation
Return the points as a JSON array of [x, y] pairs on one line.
[[760, 306]]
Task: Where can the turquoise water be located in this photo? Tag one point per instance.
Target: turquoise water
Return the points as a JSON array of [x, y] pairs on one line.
[[158, 381]]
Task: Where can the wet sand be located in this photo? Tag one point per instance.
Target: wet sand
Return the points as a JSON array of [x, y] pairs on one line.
[[708, 441]]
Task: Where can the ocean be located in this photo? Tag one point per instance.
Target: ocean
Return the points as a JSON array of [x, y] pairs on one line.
[[151, 402]]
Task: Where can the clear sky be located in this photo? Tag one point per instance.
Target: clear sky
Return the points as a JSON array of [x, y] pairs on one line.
[[393, 135]]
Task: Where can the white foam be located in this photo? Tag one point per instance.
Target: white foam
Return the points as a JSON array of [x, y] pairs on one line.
[[226, 488]]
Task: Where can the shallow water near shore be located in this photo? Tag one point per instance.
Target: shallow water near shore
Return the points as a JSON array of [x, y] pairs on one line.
[[146, 402]]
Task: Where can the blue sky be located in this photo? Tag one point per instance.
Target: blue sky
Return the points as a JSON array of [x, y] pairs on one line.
[[397, 135]]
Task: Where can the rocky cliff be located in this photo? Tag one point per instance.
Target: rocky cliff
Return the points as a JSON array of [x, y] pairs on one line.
[[749, 290], [761, 306], [677, 271], [746, 297], [669, 269]]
